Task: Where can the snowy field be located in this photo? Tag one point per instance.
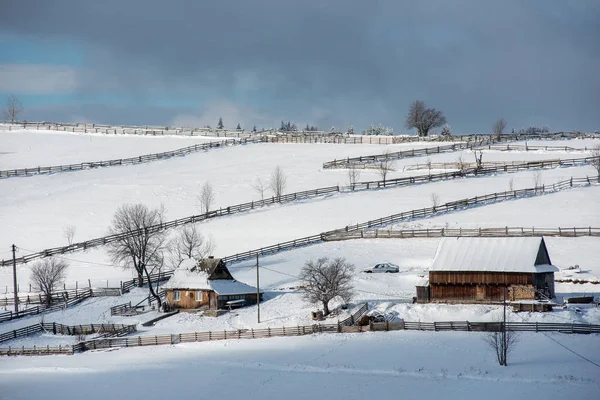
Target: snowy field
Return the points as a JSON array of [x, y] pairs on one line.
[[387, 365], [88, 199], [383, 365]]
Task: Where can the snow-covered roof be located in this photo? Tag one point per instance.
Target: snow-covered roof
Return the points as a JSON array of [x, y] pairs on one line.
[[186, 279], [493, 255], [183, 278]]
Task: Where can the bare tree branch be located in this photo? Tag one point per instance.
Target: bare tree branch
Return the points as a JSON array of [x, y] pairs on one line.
[[260, 187], [324, 280], [353, 175], [596, 161], [14, 107], [423, 119], [385, 166], [435, 200], [537, 180], [206, 197], [69, 233], [278, 181], [502, 341], [47, 275], [189, 243], [143, 247]]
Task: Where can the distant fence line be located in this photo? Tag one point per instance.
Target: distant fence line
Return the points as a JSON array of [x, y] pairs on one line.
[[288, 198], [127, 161], [464, 232], [300, 330], [191, 131], [368, 160], [527, 147], [410, 215]]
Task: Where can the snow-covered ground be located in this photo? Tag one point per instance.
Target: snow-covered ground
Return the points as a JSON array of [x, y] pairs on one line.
[[382, 365], [35, 209]]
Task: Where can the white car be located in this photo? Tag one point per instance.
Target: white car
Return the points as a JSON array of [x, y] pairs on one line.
[[383, 267]]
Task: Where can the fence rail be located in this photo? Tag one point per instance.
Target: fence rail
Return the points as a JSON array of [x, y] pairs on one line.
[[105, 330], [127, 161], [366, 161], [409, 215], [464, 232], [233, 209], [138, 341]]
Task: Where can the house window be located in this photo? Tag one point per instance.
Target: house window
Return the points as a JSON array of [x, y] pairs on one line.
[[198, 295], [176, 295]]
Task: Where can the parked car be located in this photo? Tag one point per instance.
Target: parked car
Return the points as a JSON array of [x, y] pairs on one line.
[[383, 267]]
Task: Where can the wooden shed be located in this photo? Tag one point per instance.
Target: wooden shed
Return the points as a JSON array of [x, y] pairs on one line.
[[206, 284], [483, 269]]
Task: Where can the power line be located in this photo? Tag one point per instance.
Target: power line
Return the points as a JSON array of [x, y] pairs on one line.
[[563, 346], [75, 260]]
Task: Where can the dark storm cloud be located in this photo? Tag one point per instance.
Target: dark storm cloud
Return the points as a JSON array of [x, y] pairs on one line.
[[343, 62]]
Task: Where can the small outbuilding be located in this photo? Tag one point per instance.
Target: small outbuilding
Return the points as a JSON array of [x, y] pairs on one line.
[[207, 284], [488, 269]]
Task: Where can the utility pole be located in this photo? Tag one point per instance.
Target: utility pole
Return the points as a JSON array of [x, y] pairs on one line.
[[14, 251], [504, 343], [257, 291]]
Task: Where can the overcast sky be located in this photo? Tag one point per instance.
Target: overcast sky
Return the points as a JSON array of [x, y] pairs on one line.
[[322, 62]]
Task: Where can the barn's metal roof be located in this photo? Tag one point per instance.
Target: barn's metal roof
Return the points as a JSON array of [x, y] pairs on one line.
[[491, 255]]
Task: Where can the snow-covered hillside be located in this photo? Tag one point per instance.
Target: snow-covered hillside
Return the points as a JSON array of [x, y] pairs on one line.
[[35, 210]]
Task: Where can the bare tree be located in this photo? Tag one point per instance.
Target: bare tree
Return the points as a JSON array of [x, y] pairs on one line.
[[260, 187], [278, 181], [323, 280], [69, 233], [189, 243], [596, 160], [435, 200], [502, 341], [206, 197], [498, 128], [537, 180], [478, 159], [511, 184], [461, 165], [47, 275], [423, 119], [385, 166], [139, 245], [353, 175], [14, 107]]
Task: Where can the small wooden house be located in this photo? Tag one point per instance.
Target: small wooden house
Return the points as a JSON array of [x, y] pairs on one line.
[[206, 284], [487, 269]]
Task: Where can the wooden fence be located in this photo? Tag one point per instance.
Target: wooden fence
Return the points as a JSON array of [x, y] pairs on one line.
[[368, 161], [172, 339], [192, 131], [527, 147], [354, 318], [127, 161], [105, 330], [464, 232], [371, 159], [409, 215], [406, 181], [65, 300]]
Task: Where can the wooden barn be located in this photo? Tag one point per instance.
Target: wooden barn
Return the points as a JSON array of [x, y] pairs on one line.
[[482, 269], [206, 284]]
